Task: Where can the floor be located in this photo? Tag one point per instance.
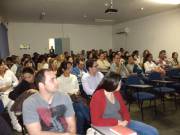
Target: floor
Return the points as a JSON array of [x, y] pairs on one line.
[[167, 123]]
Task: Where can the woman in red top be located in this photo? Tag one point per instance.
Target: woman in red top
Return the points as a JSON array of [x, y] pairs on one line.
[[107, 107]]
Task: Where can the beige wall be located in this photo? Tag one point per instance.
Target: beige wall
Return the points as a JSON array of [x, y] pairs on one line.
[[37, 35], [155, 32]]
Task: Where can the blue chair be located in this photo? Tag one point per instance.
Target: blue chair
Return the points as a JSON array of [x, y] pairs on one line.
[[161, 88], [138, 95], [173, 73]]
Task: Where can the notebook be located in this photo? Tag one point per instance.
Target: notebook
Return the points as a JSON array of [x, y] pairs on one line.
[[120, 130]]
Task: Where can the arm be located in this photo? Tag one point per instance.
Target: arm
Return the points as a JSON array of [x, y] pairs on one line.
[[86, 87], [35, 129], [15, 80], [97, 109], [124, 112], [71, 124]]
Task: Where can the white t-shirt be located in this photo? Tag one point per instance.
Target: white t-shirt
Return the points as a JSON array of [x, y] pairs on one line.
[[149, 66], [90, 83], [68, 85]]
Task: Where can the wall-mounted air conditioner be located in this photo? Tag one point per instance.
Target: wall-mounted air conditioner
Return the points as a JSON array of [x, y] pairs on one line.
[[124, 30]]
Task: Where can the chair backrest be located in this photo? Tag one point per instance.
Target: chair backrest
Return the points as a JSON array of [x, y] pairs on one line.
[[134, 79], [173, 72], [154, 76]]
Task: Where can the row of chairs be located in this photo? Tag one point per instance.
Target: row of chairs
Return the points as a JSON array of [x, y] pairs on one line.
[[151, 88]]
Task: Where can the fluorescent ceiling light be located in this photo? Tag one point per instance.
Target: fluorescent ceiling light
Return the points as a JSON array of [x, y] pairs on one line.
[[104, 20], [175, 2]]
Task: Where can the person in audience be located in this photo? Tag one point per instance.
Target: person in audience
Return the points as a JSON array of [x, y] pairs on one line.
[[118, 67], [42, 63], [60, 58], [92, 78], [133, 67], [162, 61], [28, 63], [48, 111], [69, 84], [136, 57], [174, 61], [53, 65], [103, 64], [150, 66], [145, 52], [110, 109], [79, 70], [9, 62], [26, 83], [15, 60], [8, 78], [125, 57]]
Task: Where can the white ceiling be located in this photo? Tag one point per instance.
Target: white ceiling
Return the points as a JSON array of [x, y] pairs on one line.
[[73, 11]]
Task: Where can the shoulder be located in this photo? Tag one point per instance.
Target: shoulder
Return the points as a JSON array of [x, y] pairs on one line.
[[98, 93], [100, 74], [73, 76], [32, 100], [9, 71], [61, 95], [85, 75], [60, 78]]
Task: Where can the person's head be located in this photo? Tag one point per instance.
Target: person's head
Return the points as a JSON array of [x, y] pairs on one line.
[[52, 47], [92, 66], [28, 74], [116, 58], [145, 52], [175, 55], [64, 69], [101, 56], [15, 59], [2, 66], [149, 57], [53, 65], [130, 60], [9, 62], [45, 81], [80, 64], [89, 55], [70, 59], [28, 63], [162, 54], [135, 53], [110, 82]]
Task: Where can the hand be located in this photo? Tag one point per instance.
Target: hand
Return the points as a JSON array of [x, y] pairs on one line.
[[122, 123]]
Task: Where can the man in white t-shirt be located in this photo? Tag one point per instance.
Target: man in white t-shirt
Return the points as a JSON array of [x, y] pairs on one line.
[[92, 78]]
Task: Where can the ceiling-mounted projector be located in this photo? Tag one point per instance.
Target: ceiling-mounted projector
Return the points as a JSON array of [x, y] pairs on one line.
[[111, 10]]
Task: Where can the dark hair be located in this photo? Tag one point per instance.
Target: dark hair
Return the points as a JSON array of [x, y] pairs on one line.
[[89, 63], [78, 60], [147, 56], [27, 61], [62, 67], [1, 61], [162, 51], [28, 70], [174, 54], [135, 52], [110, 82], [40, 77]]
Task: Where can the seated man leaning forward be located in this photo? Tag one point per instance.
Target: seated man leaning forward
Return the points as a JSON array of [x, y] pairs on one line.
[[48, 112]]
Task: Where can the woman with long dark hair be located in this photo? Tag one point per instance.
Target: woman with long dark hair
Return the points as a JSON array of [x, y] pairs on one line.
[[107, 107]]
